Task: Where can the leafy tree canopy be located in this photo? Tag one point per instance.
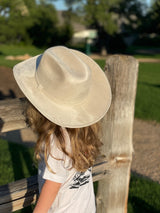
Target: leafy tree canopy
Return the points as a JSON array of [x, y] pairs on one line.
[[109, 17], [32, 21], [155, 16]]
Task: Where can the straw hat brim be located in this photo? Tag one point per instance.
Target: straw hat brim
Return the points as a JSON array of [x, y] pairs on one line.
[[85, 113]]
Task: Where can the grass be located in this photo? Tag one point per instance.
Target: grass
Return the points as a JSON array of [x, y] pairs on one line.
[[17, 162], [156, 56], [101, 63], [6, 50], [144, 196], [148, 92], [14, 50]]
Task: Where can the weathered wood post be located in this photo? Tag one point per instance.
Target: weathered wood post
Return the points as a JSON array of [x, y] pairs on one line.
[[117, 128], [12, 115]]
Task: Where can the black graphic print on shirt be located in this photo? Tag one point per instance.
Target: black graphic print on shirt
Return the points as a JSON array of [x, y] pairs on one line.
[[80, 179]]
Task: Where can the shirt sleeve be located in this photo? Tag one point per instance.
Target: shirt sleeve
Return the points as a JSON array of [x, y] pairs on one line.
[[58, 164]]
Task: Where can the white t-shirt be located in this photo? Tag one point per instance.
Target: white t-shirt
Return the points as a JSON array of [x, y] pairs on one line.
[[76, 193]]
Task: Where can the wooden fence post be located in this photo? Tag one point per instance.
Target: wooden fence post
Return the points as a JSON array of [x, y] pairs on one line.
[[12, 114], [117, 128]]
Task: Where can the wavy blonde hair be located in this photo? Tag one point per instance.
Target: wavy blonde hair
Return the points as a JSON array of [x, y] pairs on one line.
[[85, 143]]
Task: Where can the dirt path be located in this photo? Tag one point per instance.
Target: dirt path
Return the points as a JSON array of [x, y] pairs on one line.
[[146, 135], [146, 143]]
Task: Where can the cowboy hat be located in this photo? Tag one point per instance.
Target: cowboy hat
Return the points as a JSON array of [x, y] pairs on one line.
[[66, 86]]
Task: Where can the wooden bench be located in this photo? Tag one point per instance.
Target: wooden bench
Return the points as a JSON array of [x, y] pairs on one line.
[[112, 168]]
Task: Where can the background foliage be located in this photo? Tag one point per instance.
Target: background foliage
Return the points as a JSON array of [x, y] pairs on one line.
[[32, 22], [36, 22]]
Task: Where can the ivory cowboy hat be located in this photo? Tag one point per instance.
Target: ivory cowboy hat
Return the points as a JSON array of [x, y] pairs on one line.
[[66, 86]]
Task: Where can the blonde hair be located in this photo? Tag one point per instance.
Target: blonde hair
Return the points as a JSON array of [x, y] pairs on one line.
[[85, 143]]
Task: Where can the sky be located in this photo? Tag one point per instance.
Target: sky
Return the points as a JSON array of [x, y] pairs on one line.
[[60, 5]]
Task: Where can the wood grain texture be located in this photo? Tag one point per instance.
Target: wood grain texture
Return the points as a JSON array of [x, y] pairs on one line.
[[12, 114], [117, 129]]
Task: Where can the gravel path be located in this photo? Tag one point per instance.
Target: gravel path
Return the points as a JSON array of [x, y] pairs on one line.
[[146, 142]]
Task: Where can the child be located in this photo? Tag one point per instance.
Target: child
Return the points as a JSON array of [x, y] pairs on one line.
[[68, 94]]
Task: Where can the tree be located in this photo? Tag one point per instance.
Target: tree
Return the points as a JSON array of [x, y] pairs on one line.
[[111, 18], [100, 15], [32, 21], [150, 27], [13, 20], [155, 17], [133, 14], [44, 29]]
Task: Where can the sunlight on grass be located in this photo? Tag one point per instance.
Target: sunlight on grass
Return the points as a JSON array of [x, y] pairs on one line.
[[148, 92], [19, 50], [101, 63], [14, 50]]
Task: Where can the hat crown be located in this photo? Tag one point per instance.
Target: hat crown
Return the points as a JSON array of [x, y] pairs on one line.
[[63, 76], [66, 86]]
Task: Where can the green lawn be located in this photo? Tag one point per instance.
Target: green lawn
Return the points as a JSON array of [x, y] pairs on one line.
[[17, 162], [7, 50], [148, 92], [144, 196]]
